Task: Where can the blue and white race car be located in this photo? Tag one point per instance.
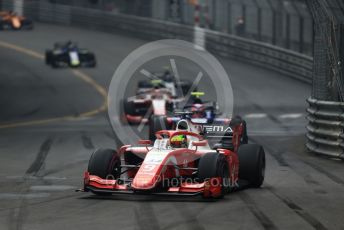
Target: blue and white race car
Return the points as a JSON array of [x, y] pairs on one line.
[[68, 54], [205, 117]]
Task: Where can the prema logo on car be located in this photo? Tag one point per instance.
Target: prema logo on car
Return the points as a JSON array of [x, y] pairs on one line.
[[217, 129]]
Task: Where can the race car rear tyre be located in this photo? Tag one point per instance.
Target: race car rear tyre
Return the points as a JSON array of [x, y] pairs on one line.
[[129, 107], [106, 164], [252, 164], [27, 24], [94, 64], [91, 58], [53, 63], [157, 123], [215, 165], [244, 137], [237, 120]]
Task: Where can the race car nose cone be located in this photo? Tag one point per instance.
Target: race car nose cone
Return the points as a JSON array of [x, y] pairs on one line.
[[144, 182]]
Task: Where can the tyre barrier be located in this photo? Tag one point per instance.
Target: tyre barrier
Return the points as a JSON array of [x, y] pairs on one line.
[[325, 128]]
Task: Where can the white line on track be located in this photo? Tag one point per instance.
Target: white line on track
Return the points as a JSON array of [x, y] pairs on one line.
[[275, 133], [291, 115], [255, 115], [281, 116]]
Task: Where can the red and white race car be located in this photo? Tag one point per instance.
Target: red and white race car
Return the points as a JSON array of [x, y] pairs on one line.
[[149, 102], [180, 162]]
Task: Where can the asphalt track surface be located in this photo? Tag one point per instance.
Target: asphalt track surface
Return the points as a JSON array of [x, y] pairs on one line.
[[46, 140]]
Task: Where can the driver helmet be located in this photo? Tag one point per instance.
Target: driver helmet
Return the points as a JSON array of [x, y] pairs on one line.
[[182, 125], [198, 111], [70, 44], [179, 141]]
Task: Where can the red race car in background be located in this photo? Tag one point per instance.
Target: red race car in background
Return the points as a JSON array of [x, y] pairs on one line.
[[180, 162], [155, 97], [152, 101], [10, 20]]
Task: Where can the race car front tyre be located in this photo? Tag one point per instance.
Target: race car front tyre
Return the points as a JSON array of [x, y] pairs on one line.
[[89, 58], [157, 123], [213, 165], [48, 55], [252, 164], [5, 25], [106, 164]]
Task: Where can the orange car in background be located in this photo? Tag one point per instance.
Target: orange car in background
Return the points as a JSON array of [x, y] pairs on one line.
[[10, 20]]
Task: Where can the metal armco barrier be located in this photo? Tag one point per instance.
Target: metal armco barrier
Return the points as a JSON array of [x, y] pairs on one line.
[[325, 129], [284, 61]]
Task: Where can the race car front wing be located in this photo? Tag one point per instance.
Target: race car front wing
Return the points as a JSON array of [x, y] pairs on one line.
[[96, 184]]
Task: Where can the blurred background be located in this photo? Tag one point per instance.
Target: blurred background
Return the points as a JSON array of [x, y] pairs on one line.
[[287, 24]]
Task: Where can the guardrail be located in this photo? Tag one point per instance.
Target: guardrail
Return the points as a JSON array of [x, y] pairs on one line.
[[281, 60], [325, 129]]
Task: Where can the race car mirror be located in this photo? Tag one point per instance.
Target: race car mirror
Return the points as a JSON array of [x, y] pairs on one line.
[[200, 143], [145, 142], [217, 112]]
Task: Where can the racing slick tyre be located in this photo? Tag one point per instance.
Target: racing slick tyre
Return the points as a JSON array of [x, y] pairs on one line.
[[244, 137], [88, 58], [129, 107], [212, 165], [106, 164], [27, 24], [237, 120], [252, 164], [157, 123], [93, 62], [54, 63], [48, 55], [5, 24]]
